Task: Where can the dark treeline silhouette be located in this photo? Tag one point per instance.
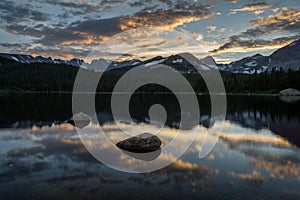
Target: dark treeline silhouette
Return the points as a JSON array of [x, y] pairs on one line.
[[46, 77]]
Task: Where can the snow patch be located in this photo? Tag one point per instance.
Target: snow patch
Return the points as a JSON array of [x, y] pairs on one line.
[[155, 62], [136, 63], [16, 59], [293, 44], [251, 63], [177, 61]]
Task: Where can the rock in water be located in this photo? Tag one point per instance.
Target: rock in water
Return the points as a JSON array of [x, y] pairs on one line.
[[289, 99], [142, 143], [149, 156], [79, 120], [289, 92]]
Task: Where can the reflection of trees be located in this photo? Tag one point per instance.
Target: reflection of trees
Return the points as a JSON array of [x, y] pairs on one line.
[[259, 112]]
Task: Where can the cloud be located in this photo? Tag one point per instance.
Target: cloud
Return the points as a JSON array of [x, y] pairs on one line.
[[60, 29], [14, 45], [286, 20], [62, 52], [73, 5], [232, 1], [254, 7], [258, 12], [199, 37], [236, 43], [211, 28], [14, 13], [97, 30]]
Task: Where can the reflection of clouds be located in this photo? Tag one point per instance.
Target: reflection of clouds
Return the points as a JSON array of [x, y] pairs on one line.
[[254, 176], [62, 140], [106, 151], [265, 150], [255, 138], [279, 168], [54, 156], [235, 135]]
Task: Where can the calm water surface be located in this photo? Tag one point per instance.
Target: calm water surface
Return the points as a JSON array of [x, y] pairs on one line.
[[257, 155]]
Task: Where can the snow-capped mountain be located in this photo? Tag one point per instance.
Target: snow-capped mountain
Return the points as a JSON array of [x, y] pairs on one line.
[[40, 59], [249, 65], [184, 63], [285, 58]]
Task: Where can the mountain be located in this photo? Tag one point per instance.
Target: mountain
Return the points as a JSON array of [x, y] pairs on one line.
[[249, 65], [188, 63], [286, 58], [184, 63], [40, 59]]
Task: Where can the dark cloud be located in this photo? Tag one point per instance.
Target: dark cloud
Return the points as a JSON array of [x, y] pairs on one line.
[[14, 45], [25, 30], [13, 13], [63, 52], [83, 7], [140, 3], [255, 6], [238, 42], [94, 31]]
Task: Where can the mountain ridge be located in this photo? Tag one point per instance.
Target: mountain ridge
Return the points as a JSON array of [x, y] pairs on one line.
[[286, 58]]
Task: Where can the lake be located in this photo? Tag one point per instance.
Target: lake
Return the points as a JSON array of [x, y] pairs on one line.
[[257, 155]]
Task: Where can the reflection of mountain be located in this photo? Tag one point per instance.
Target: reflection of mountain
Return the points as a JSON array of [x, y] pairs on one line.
[[249, 111]]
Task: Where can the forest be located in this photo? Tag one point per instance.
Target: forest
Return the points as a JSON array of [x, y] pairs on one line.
[[43, 77]]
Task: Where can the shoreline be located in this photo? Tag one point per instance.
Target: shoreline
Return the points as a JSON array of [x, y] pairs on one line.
[[12, 91]]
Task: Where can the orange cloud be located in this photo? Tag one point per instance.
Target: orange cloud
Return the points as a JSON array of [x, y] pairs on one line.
[[289, 15]]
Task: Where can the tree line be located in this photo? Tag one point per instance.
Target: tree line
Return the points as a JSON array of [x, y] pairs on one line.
[[46, 77]]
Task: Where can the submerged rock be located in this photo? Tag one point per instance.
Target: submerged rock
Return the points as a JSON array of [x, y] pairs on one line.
[[79, 120], [289, 92], [149, 156], [142, 143]]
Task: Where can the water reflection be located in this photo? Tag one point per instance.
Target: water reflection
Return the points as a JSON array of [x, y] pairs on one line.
[[257, 155]]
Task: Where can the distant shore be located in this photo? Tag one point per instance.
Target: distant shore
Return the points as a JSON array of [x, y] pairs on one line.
[[21, 91]]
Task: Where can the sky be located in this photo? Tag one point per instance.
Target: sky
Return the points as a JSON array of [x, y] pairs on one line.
[[226, 29]]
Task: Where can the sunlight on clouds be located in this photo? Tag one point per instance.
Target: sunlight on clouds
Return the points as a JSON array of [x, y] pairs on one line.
[[290, 15], [266, 139], [254, 7], [280, 168], [254, 176], [271, 45], [258, 12], [211, 28], [145, 43]]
